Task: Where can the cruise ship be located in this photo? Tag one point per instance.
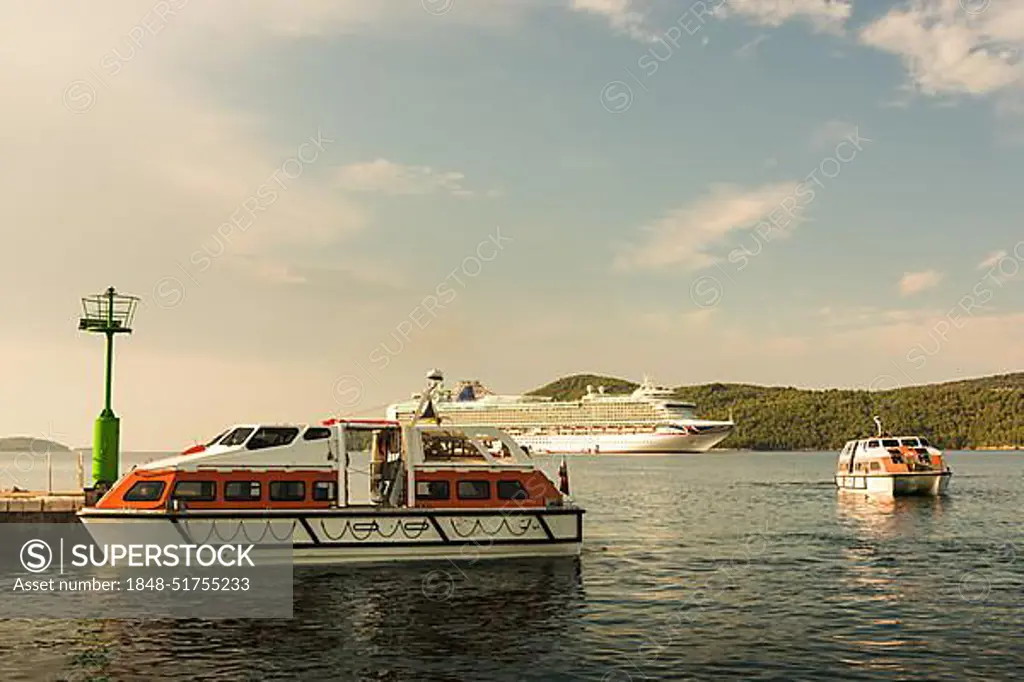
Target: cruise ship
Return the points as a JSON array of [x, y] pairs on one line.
[[650, 420]]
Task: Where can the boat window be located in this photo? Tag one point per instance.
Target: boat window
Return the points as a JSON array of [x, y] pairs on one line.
[[432, 490], [243, 491], [448, 445], [512, 490], [872, 443], [474, 490], [909, 442], [325, 491], [145, 491], [287, 491], [272, 437], [214, 441], [890, 443], [316, 433], [875, 466], [238, 436], [196, 491], [924, 442]]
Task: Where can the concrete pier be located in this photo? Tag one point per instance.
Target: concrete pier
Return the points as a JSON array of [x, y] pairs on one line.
[[40, 507]]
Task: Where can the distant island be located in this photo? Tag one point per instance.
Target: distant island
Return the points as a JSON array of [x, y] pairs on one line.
[[38, 446], [974, 414]]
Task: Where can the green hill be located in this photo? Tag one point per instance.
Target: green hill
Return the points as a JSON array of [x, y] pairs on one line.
[[39, 446], [958, 415]]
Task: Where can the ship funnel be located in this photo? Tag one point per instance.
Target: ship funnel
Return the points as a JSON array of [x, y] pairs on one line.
[[426, 409], [590, 389]]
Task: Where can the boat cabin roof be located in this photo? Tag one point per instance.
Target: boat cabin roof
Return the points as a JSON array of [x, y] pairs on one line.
[[291, 445], [890, 441], [362, 424]]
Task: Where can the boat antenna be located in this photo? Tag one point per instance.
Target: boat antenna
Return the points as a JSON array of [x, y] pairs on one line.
[[426, 405], [878, 423]]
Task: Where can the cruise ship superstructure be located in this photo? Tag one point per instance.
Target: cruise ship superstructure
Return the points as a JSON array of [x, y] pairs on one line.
[[648, 420]]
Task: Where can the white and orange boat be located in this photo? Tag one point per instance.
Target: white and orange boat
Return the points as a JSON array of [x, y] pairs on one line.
[[351, 490], [892, 465]]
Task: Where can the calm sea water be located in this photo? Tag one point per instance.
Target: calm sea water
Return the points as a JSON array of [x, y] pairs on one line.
[[724, 566]]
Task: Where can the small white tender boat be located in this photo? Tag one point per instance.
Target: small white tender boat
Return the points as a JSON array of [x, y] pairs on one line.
[[892, 465], [350, 490]]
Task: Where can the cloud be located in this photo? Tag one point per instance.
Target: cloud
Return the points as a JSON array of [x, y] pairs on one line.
[[992, 264], [949, 51], [992, 260], [832, 132], [870, 316], [240, 21], [388, 177], [699, 318], [671, 321], [747, 50], [151, 168], [916, 282], [620, 16], [684, 236], [866, 347], [827, 16], [269, 271]]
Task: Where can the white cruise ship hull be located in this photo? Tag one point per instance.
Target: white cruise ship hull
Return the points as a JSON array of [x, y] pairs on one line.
[[621, 444], [650, 420]]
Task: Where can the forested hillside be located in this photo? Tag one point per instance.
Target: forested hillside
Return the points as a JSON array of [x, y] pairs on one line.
[[971, 414]]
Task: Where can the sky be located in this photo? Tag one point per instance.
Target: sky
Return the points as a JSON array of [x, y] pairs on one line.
[[318, 201]]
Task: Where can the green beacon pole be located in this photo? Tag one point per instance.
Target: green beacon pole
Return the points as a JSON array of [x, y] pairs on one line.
[[109, 314]]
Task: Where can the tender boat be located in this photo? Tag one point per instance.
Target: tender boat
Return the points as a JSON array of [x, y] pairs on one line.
[[350, 490], [892, 465]]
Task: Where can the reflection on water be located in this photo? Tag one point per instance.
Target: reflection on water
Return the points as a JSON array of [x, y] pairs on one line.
[[874, 589], [905, 563], [888, 517], [387, 623]]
